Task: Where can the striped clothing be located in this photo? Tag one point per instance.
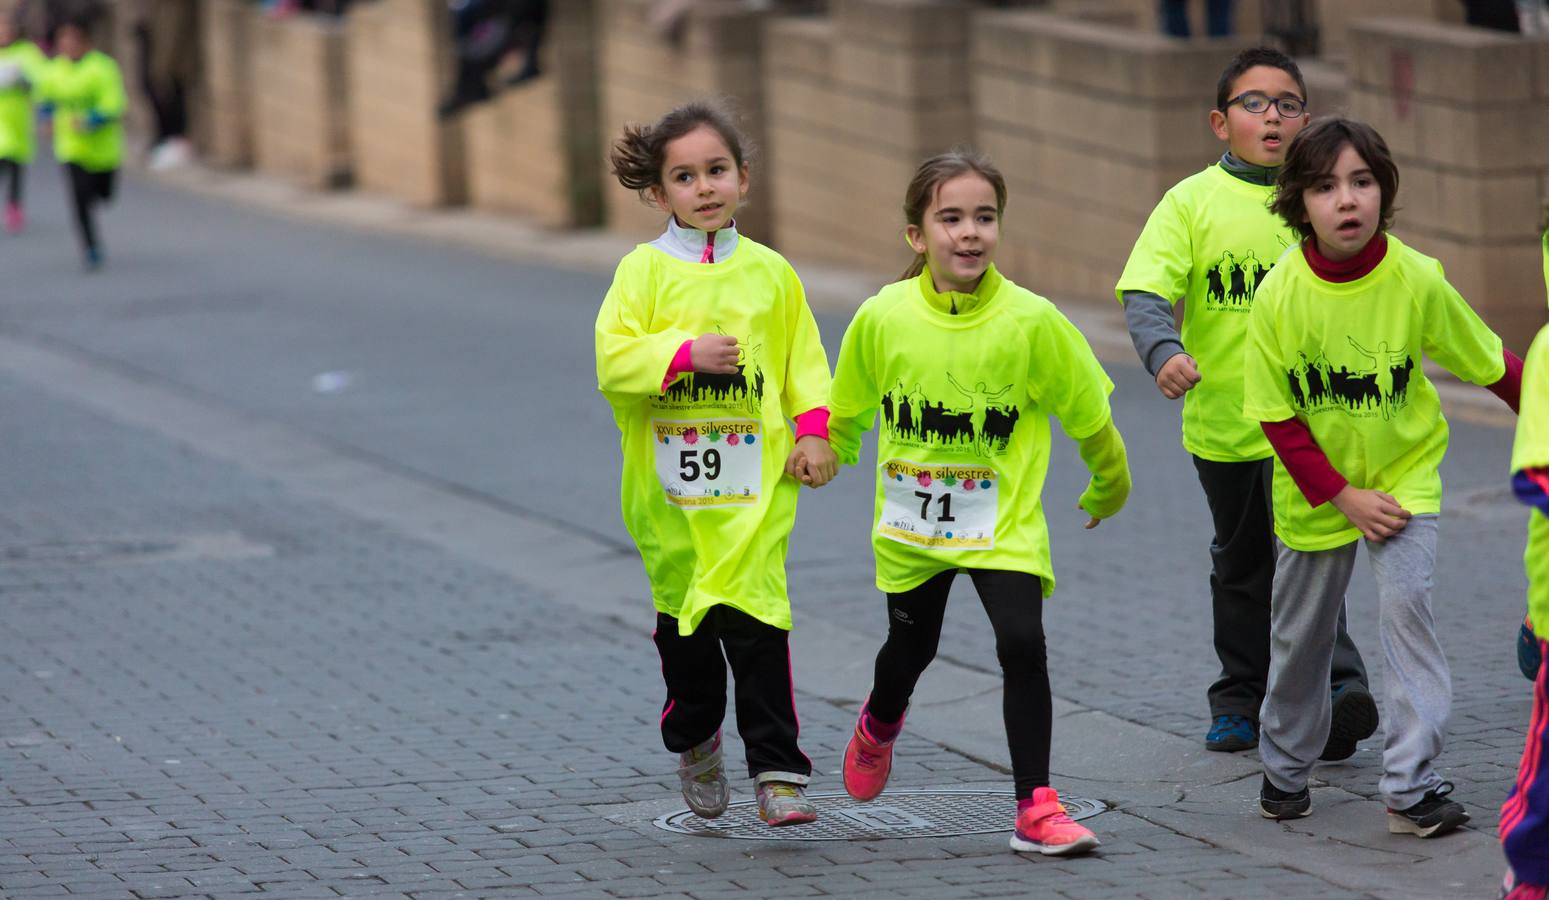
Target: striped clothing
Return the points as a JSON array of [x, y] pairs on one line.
[[1525, 816]]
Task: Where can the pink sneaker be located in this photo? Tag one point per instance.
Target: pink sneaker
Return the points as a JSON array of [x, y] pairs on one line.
[[15, 219], [867, 762], [1044, 828]]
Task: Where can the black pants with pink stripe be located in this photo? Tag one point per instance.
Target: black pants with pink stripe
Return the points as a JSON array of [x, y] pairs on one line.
[[695, 670], [1525, 817]]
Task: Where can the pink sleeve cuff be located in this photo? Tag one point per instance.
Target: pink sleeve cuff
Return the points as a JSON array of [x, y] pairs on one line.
[[814, 422], [1306, 462], [682, 362], [1509, 387]]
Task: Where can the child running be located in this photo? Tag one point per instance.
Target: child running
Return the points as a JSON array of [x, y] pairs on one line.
[[83, 93], [1209, 244], [21, 68], [705, 347], [1357, 454], [1525, 817], [967, 368]]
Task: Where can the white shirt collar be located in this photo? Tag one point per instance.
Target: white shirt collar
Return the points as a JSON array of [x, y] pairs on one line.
[[688, 244]]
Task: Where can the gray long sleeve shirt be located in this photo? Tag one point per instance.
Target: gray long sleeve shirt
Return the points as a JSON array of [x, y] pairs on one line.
[[1149, 316]]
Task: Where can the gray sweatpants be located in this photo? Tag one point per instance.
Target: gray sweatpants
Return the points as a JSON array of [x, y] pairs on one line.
[[1308, 594]]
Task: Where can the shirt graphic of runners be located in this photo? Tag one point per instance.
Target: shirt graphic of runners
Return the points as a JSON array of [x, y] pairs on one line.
[[1378, 385], [971, 418], [1233, 280], [738, 390]]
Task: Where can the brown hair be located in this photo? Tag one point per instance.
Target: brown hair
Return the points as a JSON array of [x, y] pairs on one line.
[[935, 172], [639, 155], [1311, 157]]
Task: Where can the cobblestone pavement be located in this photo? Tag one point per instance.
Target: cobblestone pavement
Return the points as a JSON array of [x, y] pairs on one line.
[[223, 676]]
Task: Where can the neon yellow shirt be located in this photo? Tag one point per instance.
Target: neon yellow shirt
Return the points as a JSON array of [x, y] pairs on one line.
[[1531, 450], [21, 58], [78, 90], [1210, 243], [1346, 360], [965, 402], [704, 492]]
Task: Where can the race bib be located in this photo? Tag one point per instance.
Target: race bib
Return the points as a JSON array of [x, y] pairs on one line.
[[709, 462], [939, 507]]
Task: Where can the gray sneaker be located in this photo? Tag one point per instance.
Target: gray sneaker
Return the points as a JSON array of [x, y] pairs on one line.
[[704, 779], [783, 803]]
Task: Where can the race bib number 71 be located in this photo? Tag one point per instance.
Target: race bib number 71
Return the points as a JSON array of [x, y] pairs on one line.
[[939, 507], [709, 462]]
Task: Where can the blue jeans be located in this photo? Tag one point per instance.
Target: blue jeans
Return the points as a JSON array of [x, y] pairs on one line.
[[1175, 17]]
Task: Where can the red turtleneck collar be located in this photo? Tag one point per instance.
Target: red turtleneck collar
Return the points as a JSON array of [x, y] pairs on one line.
[[1355, 267]]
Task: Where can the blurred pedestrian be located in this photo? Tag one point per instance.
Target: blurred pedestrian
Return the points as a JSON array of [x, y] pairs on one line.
[[488, 34], [1499, 15], [1175, 17], [21, 68], [82, 95], [167, 32]]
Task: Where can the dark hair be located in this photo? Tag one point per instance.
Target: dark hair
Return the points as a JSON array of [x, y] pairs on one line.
[[639, 155], [935, 172], [1311, 157], [1256, 56]]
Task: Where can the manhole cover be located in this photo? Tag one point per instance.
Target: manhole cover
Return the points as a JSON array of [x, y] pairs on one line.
[[899, 814]]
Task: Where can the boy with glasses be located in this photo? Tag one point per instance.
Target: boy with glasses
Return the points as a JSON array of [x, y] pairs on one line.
[[1193, 249]]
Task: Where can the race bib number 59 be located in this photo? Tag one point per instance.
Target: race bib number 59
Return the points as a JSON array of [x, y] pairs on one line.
[[709, 462], [939, 507]]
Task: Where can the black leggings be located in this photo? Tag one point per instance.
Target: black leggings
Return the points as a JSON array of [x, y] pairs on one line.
[[1014, 602], [16, 170], [87, 189]]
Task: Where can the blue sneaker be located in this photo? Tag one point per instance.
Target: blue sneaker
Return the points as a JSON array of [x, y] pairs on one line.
[[1529, 657], [1231, 733]]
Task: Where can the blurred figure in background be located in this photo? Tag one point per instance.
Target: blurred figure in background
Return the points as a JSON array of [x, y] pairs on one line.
[[167, 32], [1175, 17], [82, 94], [487, 34], [21, 68]]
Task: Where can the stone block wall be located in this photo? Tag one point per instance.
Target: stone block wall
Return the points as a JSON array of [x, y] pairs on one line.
[[398, 66], [718, 53], [1463, 111], [300, 110], [226, 29], [855, 103], [534, 149], [1091, 124]]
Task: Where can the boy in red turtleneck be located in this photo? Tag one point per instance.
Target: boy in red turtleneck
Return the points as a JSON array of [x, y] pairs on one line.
[[1333, 373]]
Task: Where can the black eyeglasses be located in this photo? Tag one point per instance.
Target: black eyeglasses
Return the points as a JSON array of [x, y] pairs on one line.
[[1257, 102]]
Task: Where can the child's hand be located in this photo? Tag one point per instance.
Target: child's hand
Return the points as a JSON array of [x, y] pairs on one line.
[[1177, 376], [714, 354], [819, 464], [1377, 515]]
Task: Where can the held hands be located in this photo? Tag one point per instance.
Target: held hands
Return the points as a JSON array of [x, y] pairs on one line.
[[812, 461], [1377, 515], [1177, 376], [714, 354]]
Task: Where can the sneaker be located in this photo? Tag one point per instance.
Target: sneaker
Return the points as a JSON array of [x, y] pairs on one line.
[[867, 761], [1512, 889], [1277, 804], [1529, 656], [1045, 828], [15, 219], [92, 261], [1434, 815], [1230, 733], [1354, 720], [782, 803], [704, 779]]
